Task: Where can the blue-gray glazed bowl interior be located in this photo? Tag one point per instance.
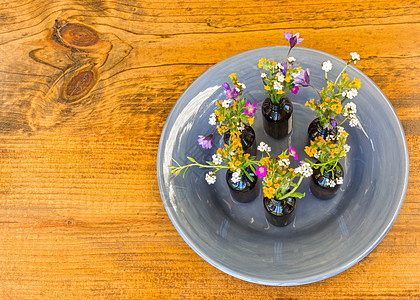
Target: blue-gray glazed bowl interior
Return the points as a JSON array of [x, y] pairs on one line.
[[326, 237]]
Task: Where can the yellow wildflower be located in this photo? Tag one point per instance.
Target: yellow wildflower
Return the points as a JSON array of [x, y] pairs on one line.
[[357, 82], [260, 63], [345, 77]]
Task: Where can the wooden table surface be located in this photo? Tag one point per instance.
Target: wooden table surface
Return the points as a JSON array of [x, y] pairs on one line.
[[83, 101]]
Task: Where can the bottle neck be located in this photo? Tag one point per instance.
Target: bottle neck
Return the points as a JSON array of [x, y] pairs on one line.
[[279, 106]]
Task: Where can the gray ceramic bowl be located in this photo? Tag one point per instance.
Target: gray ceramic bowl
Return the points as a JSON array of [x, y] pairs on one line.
[[326, 237]]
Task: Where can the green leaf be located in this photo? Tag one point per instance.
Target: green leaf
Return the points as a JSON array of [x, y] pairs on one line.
[[338, 168], [297, 195]]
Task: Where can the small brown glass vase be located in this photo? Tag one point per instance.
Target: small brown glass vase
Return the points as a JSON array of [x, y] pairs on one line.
[[280, 212], [315, 129], [245, 189], [248, 140], [277, 118], [319, 183]]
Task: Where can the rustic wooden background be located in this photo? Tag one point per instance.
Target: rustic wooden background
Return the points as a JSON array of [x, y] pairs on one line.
[[83, 101]]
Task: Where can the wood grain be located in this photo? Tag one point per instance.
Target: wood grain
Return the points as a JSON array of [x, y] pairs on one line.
[[81, 111]]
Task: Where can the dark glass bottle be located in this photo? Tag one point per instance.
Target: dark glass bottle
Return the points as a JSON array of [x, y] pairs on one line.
[[247, 139], [244, 190], [280, 212], [319, 186], [315, 129], [277, 117]]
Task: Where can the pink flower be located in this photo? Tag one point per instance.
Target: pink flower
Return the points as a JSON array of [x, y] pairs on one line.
[[261, 171], [205, 141], [251, 109], [293, 153], [295, 89]]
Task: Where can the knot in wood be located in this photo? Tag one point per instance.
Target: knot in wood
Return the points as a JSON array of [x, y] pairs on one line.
[[75, 36]]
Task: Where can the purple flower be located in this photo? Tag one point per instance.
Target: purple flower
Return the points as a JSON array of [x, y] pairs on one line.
[[284, 65], [293, 153], [293, 39], [251, 109], [295, 89], [261, 171], [331, 124], [230, 93], [205, 141], [303, 78]]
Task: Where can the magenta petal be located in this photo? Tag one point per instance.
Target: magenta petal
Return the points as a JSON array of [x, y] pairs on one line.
[[261, 171], [293, 153]]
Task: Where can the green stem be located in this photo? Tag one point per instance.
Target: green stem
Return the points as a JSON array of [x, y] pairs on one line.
[[339, 124], [342, 71], [293, 190]]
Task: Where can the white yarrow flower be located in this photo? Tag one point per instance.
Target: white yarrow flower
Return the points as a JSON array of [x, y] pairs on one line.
[[327, 66], [340, 180], [217, 159], [349, 109], [280, 67], [278, 86], [304, 169], [242, 85], [212, 119], [236, 176], [346, 148], [354, 122], [291, 59], [237, 89], [226, 103], [263, 147], [263, 75], [331, 183], [351, 93], [355, 56], [280, 78], [285, 162], [240, 126], [210, 178]]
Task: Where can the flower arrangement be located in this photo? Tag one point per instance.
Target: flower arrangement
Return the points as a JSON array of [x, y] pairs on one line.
[[327, 153], [278, 176], [280, 77], [332, 97], [231, 114], [231, 157]]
